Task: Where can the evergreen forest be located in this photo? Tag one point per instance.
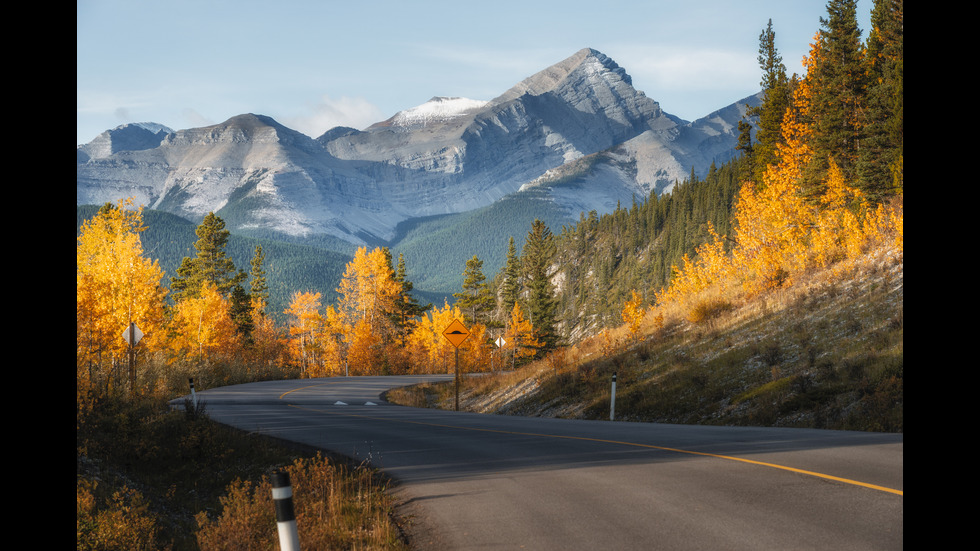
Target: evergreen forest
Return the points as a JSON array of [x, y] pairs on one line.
[[817, 188]]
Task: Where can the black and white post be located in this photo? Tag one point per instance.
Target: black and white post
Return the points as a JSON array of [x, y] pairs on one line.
[[282, 498], [193, 394], [612, 400]]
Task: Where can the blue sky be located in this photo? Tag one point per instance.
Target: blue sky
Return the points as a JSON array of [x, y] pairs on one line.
[[313, 65]]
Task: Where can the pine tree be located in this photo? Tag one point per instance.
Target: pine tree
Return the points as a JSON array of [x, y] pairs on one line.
[[839, 83], [776, 89], [541, 305], [880, 161], [211, 264], [259, 288], [475, 301], [510, 287], [406, 306], [241, 313]]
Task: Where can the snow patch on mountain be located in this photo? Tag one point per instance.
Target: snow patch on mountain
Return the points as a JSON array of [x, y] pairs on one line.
[[437, 109]]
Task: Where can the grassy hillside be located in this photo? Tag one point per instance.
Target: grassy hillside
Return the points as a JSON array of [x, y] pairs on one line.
[[826, 352]]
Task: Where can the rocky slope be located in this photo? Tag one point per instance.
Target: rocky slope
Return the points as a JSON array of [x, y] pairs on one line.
[[448, 155]]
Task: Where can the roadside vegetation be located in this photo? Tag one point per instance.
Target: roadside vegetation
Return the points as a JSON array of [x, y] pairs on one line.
[[825, 352], [768, 293], [149, 478]]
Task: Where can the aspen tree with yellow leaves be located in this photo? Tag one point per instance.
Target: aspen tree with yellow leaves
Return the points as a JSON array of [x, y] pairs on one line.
[[633, 312], [434, 352], [115, 286], [802, 215], [202, 331], [520, 336], [369, 295], [430, 352], [368, 289], [305, 330]]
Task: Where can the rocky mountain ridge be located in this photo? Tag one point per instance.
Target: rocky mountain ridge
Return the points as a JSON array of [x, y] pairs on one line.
[[448, 155]]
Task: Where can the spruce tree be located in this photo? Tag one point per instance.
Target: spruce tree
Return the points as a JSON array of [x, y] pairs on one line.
[[260, 289], [541, 305], [475, 300], [510, 286], [880, 161], [407, 307], [211, 264], [776, 96], [838, 95], [241, 314]]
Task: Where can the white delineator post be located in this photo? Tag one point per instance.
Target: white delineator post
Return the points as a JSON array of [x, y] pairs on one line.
[[612, 400], [193, 394], [282, 498]]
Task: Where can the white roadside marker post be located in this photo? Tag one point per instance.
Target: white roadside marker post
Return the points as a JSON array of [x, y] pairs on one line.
[[282, 498], [612, 401], [193, 394]]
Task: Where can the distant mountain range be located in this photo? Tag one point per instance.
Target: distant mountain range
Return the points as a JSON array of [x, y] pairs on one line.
[[577, 132]]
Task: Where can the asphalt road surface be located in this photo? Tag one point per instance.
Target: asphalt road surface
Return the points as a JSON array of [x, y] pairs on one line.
[[470, 481]]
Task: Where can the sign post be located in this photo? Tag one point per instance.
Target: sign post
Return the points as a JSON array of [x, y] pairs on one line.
[[456, 333], [500, 345], [132, 335]]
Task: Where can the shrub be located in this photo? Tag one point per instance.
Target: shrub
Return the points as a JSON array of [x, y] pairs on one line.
[[119, 521], [335, 509], [707, 310]]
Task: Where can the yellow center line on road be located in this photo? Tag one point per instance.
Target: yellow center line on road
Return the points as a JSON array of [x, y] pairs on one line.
[[283, 395], [634, 444]]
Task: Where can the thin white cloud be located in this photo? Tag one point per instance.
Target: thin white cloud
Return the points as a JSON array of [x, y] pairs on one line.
[[691, 69], [330, 112]]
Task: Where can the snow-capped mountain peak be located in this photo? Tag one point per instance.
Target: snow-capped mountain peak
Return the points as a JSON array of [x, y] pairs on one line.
[[437, 109]]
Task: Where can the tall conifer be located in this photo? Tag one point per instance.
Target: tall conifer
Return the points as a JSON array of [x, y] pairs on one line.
[[838, 95], [880, 160], [510, 286], [776, 90], [537, 256], [259, 287], [475, 301], [211, 263]]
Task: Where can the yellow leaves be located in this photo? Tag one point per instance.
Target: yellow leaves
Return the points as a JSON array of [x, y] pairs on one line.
[[633, 312], [364, 354], [520, 334], [368, 288], [711, 266], [115, 285], [202, 328], [357, 336], [778, 232], [306, 330], [432, 352]]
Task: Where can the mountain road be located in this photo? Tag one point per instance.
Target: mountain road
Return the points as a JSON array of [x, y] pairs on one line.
[[473, 481]]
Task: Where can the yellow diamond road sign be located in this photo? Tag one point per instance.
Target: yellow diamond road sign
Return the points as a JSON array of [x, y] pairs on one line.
[[456, 333]]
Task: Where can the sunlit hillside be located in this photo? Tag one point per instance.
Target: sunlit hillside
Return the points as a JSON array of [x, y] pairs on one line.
[[826, 351]]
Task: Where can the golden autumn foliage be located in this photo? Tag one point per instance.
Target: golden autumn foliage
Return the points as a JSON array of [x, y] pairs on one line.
[[368, 290], [431, 352], [115, 285], [306, 330], [633, 312], [784, 225], [202, 330], [359, 338], [520, 335]]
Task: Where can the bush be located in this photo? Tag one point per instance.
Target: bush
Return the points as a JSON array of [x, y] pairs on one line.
[[708, 310], [119, 521], [335, 509]]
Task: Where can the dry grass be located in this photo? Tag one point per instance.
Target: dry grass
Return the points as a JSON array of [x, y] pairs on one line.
[[150, 478], [825, 351]]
